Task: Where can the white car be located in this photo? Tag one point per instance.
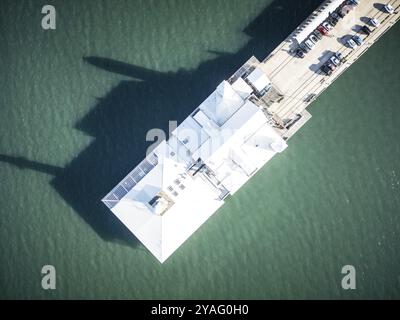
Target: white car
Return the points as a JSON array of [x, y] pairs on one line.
[[351, 43], [389, 9], [313, 39], [327, 26], [375, 22]]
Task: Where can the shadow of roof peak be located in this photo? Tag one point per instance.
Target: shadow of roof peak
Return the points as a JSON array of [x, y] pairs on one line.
[[124, 68]]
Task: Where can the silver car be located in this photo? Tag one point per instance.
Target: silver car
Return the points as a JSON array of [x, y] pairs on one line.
[[375, 22], [351, 43]]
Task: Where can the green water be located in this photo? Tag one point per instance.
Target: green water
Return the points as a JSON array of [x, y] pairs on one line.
[[76, 103]]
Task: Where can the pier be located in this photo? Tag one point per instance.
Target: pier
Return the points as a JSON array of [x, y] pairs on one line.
[[300, 80], [242, 125]]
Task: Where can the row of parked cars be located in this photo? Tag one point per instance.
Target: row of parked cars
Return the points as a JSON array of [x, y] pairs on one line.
[[324, 28], [355, 40], [334, 61]]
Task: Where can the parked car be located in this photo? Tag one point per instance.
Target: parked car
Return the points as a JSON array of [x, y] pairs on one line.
[[374, 22], [389, 9], [333, 17], [366, 30], [351, 43], [318, 34], [313, 38], [309, 44], [326, 70], [322, 29], [340, 57], [327, 26], [358, 40], [353, 2], [340, 13], [332, 21], [330, 65], [304, 47], [335, 60], [300, 53]]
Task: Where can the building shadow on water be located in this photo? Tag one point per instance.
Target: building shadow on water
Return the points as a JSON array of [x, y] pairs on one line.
[[120, 120]]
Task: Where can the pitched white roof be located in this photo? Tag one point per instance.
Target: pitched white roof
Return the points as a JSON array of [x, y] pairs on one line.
[[222, 103], [163, 234], [171, 200]]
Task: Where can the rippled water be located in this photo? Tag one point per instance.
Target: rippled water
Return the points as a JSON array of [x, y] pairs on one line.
[[75, 104]]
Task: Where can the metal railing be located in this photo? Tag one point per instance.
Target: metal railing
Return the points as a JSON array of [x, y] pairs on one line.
[[133, 178]]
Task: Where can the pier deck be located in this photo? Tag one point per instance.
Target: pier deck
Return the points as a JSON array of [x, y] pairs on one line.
[[301, 80]]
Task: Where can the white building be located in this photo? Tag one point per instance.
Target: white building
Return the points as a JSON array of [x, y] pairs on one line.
[[211, 154]]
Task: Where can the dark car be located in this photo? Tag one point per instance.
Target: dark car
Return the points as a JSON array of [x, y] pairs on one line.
[[358, 40], [325, 69], [300, 53], [340, 13], [304, 47], [332, 20], [352, 2], [334, 15], [366, 30], [340, 57]]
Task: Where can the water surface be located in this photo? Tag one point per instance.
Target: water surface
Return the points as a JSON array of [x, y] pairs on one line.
[[76, 103]]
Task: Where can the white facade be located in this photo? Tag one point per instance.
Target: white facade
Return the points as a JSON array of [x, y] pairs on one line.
[[210, 155]]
